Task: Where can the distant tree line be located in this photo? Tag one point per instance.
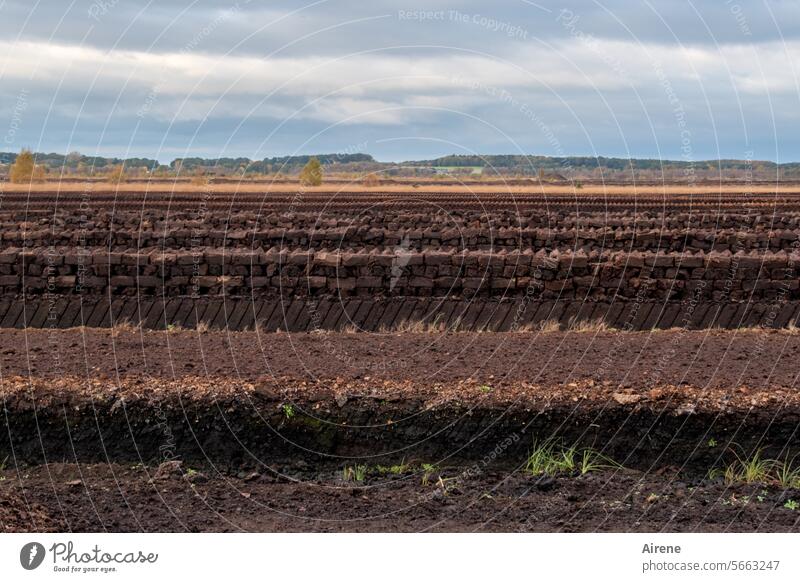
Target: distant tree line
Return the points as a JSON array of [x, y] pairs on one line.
[[360, 164]]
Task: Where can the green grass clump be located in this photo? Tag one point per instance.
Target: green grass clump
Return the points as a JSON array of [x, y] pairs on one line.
[[757, 469], [400, 469], [551, 458], [357, 473]]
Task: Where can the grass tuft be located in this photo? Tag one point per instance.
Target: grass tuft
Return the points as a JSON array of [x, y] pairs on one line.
[[549, 326], [551, 458], [588, 326], [356, 473], [124, 326], [757, 469]]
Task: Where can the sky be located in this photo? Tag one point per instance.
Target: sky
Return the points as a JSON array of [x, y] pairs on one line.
[[667, 79]]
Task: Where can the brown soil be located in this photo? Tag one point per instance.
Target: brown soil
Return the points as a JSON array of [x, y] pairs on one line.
[[128, 430], [181, 498], [706, 359]]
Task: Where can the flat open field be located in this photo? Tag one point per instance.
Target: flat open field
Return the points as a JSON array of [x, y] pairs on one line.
[[413, 186], [442, 357]]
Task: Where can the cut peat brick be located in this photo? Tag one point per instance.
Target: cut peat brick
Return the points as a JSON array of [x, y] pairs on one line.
[[335, 313], [600, 313], [794, 319], [487, 314], [756, 315], [96, 316], [585, 312], [223, 313], [239, 307], [627, 315], [249, 312], [641, 316], [170, 309], [655, 315], [277, 319], [613, 313], [210, 312], [456, 316], [351, 307], [570, 316], [511, 313], [70, 313], [27, 314], [668, 316], [785, 314], [404, 314], [726, 315], [711, 318], [303, 318], [248, 320], [472, 314], [39, 318], [537, 312], [155, 317], [699, 314], [360, 316], [317, 312], [500, 315], [741, 312], [192, 318], [386, 319], [420, 310], [181, 316]]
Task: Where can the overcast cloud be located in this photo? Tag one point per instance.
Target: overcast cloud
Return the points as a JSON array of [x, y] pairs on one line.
[[402, 80]]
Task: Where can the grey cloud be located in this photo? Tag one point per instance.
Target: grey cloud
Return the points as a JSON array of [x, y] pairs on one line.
[[595, 56]]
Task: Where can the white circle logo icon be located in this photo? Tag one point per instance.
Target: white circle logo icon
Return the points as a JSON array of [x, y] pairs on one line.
[[31, 555]]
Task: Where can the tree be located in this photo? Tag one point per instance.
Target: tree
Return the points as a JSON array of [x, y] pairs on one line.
[[24, 168], [117, 174], [311, 174], [370, 181], [200, 178]]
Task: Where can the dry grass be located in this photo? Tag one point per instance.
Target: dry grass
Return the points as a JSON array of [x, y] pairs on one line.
[[435, 326], [588, 326], [123, 326], [791, 329], [548, 326]]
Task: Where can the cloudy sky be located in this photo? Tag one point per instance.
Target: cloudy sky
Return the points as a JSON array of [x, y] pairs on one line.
[[668, 79]]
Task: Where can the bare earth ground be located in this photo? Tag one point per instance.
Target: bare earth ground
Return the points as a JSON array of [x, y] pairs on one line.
[[263, 428], [704, 358]]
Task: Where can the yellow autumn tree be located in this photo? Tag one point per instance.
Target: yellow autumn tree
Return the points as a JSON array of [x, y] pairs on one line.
[[117, 174], [311, 174], [24, 168]]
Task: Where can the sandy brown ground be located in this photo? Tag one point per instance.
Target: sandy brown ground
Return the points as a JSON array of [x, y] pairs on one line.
[[421, 187]]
